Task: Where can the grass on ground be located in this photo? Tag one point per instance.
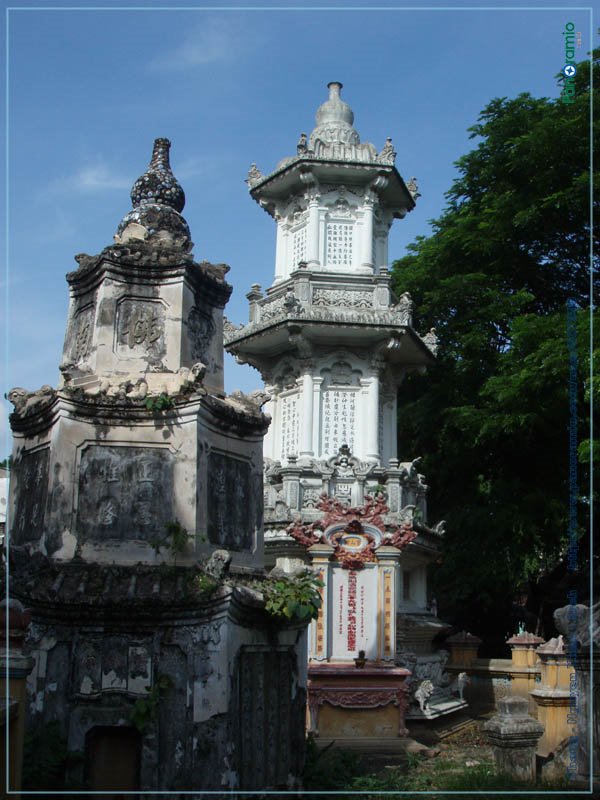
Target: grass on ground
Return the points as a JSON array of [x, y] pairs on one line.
[[464, 763]]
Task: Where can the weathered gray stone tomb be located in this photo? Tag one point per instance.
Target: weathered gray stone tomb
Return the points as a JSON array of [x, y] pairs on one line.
[[136, 506]]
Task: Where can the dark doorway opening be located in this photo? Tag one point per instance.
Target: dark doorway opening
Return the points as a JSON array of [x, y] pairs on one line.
[[112, 760]]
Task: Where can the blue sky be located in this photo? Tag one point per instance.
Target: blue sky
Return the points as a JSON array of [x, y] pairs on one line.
[[89, 90]]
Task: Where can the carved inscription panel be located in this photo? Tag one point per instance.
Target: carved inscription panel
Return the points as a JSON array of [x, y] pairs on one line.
[[339, 244], [354, 612], [124, 492], [231, 505], [290, 424], [140, 328], [31, 476], [339, 420], [299, 246]]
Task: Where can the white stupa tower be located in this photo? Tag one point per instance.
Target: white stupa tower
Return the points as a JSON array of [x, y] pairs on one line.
[[333, 344], [329, 337]]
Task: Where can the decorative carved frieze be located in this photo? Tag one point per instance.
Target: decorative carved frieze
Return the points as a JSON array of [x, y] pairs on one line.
[[345, 298]]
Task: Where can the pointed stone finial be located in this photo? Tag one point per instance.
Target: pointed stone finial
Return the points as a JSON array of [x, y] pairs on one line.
[[158, 184], [157, 200]]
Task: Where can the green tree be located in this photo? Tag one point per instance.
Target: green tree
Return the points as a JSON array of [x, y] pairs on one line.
[[492, 417]]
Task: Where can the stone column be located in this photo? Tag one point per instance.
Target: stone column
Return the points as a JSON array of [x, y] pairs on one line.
[[367, 233], [270, 440], [279, 250], [320, 555], [290, 476], [393, 485], [307, 418], [318, 419], [552, 695], [513, 735], [525, 665], [312, 233], [388, 558], [16, 667], [253, 296]]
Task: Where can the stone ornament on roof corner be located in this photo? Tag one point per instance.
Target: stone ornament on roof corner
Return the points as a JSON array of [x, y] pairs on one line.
[[431, 341]]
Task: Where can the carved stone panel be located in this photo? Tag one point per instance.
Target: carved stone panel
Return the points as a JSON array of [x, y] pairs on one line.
[[124, 492], [231, 506], [140, 328], [201, 329], [83, 326], [30, 474]]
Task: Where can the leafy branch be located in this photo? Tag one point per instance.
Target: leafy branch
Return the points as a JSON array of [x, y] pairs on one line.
[[145, 708], [294, 597], [175, 539]]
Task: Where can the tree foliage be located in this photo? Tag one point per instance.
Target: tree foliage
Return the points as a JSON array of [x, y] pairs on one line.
[[491, 419]]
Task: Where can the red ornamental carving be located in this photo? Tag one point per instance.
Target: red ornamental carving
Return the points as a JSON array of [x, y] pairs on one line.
[[354, 517], [357, 698]]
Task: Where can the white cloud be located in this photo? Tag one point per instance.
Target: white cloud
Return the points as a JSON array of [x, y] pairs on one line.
[[193, 166], [88, 179], [215, 40]]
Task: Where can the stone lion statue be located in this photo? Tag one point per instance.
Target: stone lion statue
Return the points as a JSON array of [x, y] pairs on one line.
[[423, 693], [459, 683]]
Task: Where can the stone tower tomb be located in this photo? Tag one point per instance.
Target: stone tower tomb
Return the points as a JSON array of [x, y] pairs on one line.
[[333, 344]]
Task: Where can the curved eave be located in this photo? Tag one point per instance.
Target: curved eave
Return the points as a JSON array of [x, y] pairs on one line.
[[272, 339], [286, 181]]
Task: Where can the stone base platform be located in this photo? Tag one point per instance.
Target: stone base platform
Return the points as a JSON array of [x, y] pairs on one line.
[[346, 703]]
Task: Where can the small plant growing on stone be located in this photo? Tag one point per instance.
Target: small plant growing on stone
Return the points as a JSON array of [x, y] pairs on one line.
[[205, 585], [145, 708], [175, 538], [294, 597], [157, 404]]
